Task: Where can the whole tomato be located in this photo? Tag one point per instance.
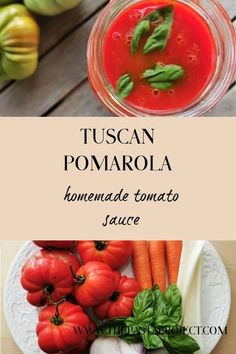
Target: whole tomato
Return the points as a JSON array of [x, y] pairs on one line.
[[50, 7], [19, 41], [62, 327], [46, 277], [113, 253], [94, 283], [56, 244], [62, 255], [120, 304]]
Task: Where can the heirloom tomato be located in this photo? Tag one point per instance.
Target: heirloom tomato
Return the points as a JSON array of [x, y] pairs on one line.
[[19, 40], [63, 327], [113, 253], [50, 7], [55, 244], [94, 283], [120, 304], [46, 278]]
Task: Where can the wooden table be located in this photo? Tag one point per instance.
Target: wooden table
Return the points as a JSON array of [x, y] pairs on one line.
[[60, 86], [227, 251]]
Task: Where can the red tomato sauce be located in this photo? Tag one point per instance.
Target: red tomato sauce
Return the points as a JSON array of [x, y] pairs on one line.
[[190, 45]]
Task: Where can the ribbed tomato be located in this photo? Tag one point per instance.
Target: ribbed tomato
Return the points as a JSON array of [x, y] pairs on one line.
[[120, 304], [56, 244], [67, 257], [94, 283], [48, 274], [62, 327], [113, 253]]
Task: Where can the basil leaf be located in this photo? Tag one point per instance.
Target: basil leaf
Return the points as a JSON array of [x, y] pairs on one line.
[[174, 300], [144, 300], [164, 321], [173, 295], [151, 341], [180, 343], [153, 16], [131, 339], [125, 86], [160, 35], [111, 328], [131, 321], [162, 85], [140, 30], [162, 78]]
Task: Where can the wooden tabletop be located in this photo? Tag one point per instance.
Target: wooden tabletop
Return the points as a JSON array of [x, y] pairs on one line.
[[227, 251], [60, 86]]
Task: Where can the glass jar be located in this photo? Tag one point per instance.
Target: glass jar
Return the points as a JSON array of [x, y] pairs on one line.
[[225, 41]]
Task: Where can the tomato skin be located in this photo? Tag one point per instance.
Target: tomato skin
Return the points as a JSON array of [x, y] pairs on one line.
[[125, 290], [54, 338], [67, 257], [97, 285], [56, 244], [47, 274], [113, 253]]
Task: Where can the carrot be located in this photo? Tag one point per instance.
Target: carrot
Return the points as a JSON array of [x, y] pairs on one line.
[[141, 264], [157, 259], [173, 253]]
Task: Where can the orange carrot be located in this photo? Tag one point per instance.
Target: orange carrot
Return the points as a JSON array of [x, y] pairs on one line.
[[173, 253], [157, 259], [141, 263]]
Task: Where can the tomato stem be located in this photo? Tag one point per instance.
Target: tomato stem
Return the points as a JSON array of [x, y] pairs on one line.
[[80, 279], [56, 320], [100, 245]]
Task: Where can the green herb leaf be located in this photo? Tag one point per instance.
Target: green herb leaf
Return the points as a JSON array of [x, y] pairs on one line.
[[125, 86], [144, 300], [165, 321], [151, 341], [162, 78], [160, 35], [111, 328], [140, 30], [180, 343], [131, 339], [172, 294]]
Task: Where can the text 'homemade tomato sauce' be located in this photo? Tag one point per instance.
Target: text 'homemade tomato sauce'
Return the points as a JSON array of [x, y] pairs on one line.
[[190, 45]]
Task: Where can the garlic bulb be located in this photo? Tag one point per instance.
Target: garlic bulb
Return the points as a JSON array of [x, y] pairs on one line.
[[114, 345]]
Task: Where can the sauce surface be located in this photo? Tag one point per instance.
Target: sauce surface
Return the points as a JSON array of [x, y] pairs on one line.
[[190, 45]]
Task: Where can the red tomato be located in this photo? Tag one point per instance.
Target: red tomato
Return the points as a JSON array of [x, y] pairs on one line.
[[56, 244], [46, 276], [120, 304], [113, 253], [61, 328], [94, 284], [63, 255]]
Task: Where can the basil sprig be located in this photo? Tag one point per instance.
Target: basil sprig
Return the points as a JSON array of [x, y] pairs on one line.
[[153, 311], [163, 77], [125, 86], [140, 30], [160, 35]]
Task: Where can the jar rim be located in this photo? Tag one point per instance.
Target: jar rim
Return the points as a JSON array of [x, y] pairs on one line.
[[225, 39]]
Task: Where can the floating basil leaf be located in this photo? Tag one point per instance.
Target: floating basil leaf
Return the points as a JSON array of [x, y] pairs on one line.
[[163, 78], [141, 29], [153, 16], [125, 86], [160, 35]]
